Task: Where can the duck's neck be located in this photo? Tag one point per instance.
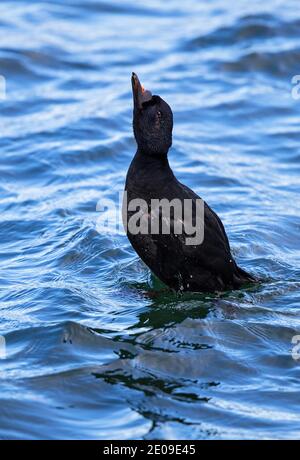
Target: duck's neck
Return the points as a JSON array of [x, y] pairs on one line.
[[155, 162], [146, 171]]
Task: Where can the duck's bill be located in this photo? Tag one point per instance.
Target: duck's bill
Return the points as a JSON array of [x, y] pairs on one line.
[[140, 94]]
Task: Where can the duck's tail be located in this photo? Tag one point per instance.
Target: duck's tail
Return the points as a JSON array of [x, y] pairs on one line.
[[241, 277]]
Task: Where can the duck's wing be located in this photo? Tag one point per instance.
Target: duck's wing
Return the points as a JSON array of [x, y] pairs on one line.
[[174, 261], [215, 243]]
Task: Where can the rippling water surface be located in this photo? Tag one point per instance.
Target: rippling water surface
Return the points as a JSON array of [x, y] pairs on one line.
[[95, 347]]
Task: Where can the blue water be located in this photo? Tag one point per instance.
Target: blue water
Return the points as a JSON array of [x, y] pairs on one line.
[[95, 347]]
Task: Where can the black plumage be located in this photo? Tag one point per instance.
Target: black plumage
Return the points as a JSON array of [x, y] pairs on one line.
[[205, 267]]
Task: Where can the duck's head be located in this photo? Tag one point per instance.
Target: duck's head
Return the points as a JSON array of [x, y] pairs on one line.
[[152, 120]]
